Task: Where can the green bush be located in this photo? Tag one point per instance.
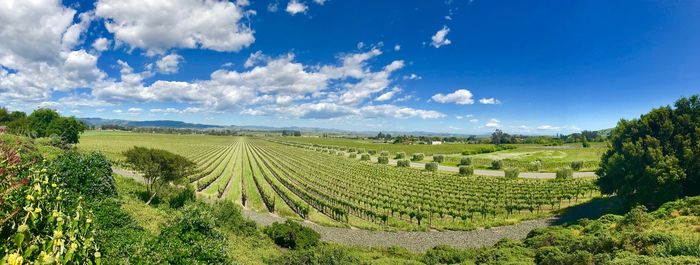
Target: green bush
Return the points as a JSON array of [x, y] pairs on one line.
[[400, 155], [365, 157], [372, 151], [535, 165], [438, 158], [384, 153], [448, 255], [292, 235], [418, 157], [227, 215], [465, 161], [466, 170], [383, 160], [496, 164], [432, 166], [512, 172], [353, 155], [403, 163], [565, 173], [87, 174], [178, 197], [319, 255], [576, 165]]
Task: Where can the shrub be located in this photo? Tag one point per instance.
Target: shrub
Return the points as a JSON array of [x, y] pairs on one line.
[[496, 164], [353, 155], [292, 235], [227, 215], [364, 157], [418, 157], [87, 174], [400, 155], [466, 170], [384, 153], [180, 196], [535, 165], [383, 160], [432, 166], [341, 153], [576, 165], [438, 158], [322, 254], [565, 173], [465, 161], [351, 149], [403, 163], [372, 151], [447, 255], [512, 172]]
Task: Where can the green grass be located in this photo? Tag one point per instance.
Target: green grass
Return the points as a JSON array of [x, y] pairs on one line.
[[392, 148]]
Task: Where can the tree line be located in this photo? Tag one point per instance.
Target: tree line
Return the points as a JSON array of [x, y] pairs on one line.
[[42, 123]]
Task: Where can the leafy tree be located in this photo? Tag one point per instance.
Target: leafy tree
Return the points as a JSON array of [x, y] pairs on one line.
[[40, 120], [87, 174], [584, 142], [655, 158], [292, 235], [158, 167], [498, 137]]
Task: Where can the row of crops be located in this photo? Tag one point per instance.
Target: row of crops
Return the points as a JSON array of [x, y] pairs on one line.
[[301, 180]]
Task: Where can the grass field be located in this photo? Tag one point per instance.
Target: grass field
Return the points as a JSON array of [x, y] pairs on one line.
[[303, 182]]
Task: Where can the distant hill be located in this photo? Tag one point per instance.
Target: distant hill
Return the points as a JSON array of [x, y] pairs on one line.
[[148, 124]]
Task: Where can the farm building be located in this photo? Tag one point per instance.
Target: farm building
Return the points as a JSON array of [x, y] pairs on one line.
[[434, 142]]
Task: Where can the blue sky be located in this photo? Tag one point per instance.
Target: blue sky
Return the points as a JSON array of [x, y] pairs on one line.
[[532, 67]]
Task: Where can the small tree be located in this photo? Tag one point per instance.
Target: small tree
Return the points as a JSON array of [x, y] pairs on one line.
[[158, 167], [512, 172], [496, 164], [384, 153], [465, 161], [438, 158], [403, 163], [535, 165], [584, 142], [383, 160], [353, 155], [365, 157], [400, 155], [432, 166], [372, 151], [576, 165], [565, 173], [418, 157], [466, 170]]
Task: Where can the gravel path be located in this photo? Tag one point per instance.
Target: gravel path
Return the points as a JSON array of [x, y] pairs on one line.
[[496, 173], [413, 241]]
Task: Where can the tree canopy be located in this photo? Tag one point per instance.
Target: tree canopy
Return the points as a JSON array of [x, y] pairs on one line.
[[158, 166], [655, 158], [43, 123]]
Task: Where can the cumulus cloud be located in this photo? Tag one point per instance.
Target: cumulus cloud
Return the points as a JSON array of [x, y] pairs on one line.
[[295, 7], [165, 111], [169, 64], [397, 47], [548, 128], [493, 123], [161, 25], [134, 111], [460, 97], [393, 111], [489, 101], [101, 44], [320, 2], [412, 77], [440, 38], [388, 95]]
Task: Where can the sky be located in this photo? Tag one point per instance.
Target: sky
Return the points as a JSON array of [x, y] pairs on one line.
[[462, 67]]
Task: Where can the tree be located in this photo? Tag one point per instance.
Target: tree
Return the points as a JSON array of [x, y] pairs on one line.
[[655, 158], [159, 167], [40, 120], [584, 142], [498, 137]]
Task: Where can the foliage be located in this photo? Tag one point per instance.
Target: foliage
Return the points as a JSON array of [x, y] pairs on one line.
[[384, 153], [403, 163], [443, 254], [655, 158], [292, 235], [431, 166], [87, 174], [400, 155], [584, 142], [178, 197], [565, 173], [227, 215], [319, 255], [497, 164], [438, 158], [535, 165], [383, 160], [511, 173], [47, 122], [466, 170], [576, 165], [465, 161], [417, 157], [158, 166], [364, 157]]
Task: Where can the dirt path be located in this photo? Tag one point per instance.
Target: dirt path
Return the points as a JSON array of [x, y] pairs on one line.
[[413, 241], [496, 173]]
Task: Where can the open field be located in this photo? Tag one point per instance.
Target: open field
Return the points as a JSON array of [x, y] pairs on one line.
[[301, 182]]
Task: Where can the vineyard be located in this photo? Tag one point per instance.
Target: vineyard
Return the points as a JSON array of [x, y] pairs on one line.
[[323, 185]]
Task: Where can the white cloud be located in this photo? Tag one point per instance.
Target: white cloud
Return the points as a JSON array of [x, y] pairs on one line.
[[295, 7], [412, 77], [165, 111], [388, 95], [460, 117], [548, 128], [440, 38], [320, 2], [161, 25], [242, 2], [101, 44], [493, 123], [489, 101], [256, 58], [73, 34], [272, 7], [398, 112], [474, 120], [460, 97], [397, 47], [134, 111], [169, 64]]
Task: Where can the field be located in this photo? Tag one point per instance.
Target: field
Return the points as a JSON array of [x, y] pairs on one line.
[[303, 182], [550, 157]]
